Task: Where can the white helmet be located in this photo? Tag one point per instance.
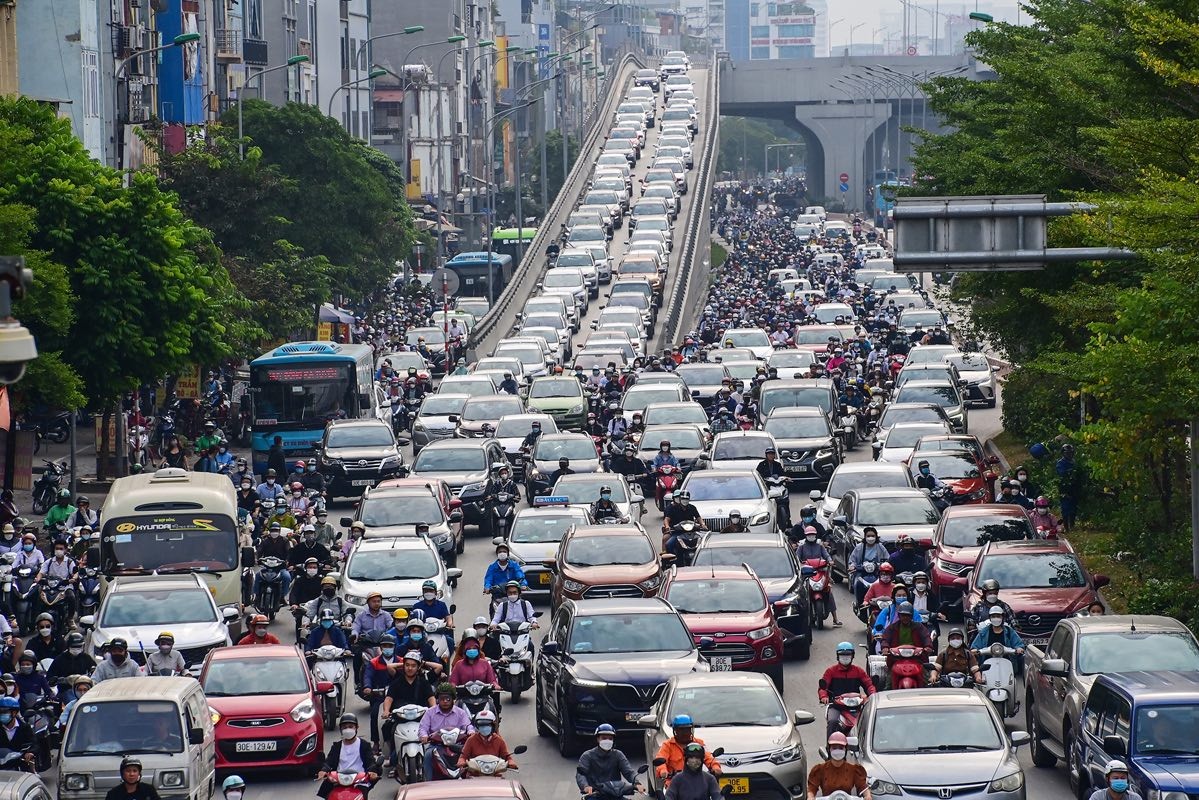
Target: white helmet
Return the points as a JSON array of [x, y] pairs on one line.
[[1115, 765], [995, 611], [486, 715]]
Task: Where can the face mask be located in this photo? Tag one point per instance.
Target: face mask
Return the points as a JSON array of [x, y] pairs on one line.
[[991, 598], [416, 637], [605, 495], [899, 598], [884, 578], [845, 660], [349, 733], [430, 595], [606, 744], [296, 494], [25, 669], [28, 548], [312, 572], [920, 587], [44, 631], [809, 518], [326, 624], [165, 649], [233, 794], [480, 632], [924, 471], [276, 534], [735, 520], [502, 558], [683, 503], [837, 753], [485, 730], [270, 481], [1022, 478], [245, 487], [260, 632], [472, 652], [1119, 785], [871, 540], [60, 554], [811, 537], [312, 468], [512, 598], [74, 650], [996, 621], [5, 718], [327, 591], [955, 642]]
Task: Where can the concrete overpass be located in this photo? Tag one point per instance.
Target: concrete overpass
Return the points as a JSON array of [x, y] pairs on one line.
[[850, 110]]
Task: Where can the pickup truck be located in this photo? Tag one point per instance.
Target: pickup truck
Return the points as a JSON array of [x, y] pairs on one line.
[[1058, 678]]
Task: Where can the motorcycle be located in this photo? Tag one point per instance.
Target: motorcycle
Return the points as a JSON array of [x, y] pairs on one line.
[[817, 578], [667, 480], [54, 598], [848, 705], [945, 497], [15, 761], [863, 579], [515, 670], [56, 428], [330, 665], [612, 790], [408, 754], [956, 680], [1000, 685], [503, 511], [436, 629], [446, 749], [45, 490], [782, 503], [907, 667], [270, 590], [25, 584], [492, 766], [42, 719], [847, 426], [474, 696], [139, 441], [348, 785], [686, 537]]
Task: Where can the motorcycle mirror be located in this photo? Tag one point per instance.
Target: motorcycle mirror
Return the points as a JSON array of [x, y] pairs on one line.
[[87, 621], [347, 521], [815, 495], [229, 613], [658, 762], [718, 752], [453, 608], [707, 643], [519, 750], [403, 441], [455, 515], [644, 768], [551, 649]]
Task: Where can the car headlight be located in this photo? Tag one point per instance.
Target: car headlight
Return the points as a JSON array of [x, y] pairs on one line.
[[389, 461], [573, 586], [214, 715], [419, 426], [576, 409], [534, 474], [1158, 794], [75, 782], [472, 487], [585, 684], [760, 519], [332, 462], [825, 453], [651, 583], [355, 599], [760, 633], [786, 754], [881, 787], [1008, 783], [304, 710], [791, 598], [171, 779]]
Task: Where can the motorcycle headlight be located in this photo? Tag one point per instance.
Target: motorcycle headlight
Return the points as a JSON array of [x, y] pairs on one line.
[[1158, 794], [576, 409], [171, 779], [760, 519], [355, 599], [760, 633], [573, 587], [651, 583], [75, 782], [1008, 783], [786, 754], [303, 711], [882, 787], [825, 453]]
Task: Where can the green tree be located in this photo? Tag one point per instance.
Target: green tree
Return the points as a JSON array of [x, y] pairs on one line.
[[530, 163], [743, 141]]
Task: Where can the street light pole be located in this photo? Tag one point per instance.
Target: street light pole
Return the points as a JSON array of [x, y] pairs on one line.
[[358, 60], [374, 73], [490, 201], [832, 25], [118, 73], [241, 142]]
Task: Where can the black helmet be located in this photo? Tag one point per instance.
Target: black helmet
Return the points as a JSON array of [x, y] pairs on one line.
[[990, 585], [74, 639], [131, 761]]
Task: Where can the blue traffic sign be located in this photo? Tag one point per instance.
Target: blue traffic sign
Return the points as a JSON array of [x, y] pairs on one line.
[[543, 32], [843, 186]]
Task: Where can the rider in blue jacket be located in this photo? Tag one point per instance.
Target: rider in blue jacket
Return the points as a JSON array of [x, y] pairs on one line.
[[888, 614], [502, 570], [999, 632]]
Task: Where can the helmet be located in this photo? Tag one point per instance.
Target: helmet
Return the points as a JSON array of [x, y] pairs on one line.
[[64, 494], [605, 728], [165, 635], [664, 443], [920, 575], [886, 567], [512, 585], [682, 721], [923, 463], [958, 631], [348, 719], [1115, 765], [45, 616], [414, 655], [74, 639], [416, 622], [130, 761], [82, 499], [400, 614], [486, 715], [9, 702], [693, 749], [605, 488], [808, 511], [83, 679], [300, 464], [446, 688], [990, 585], [328, 580], [1042, 502], [296, 486], [232, 782], [906, 539], [259, 619], [844, 647], [994, 611], [429, 584], [836, 738], [905, 609]]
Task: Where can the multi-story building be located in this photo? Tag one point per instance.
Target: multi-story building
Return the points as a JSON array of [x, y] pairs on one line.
[[766, 29]]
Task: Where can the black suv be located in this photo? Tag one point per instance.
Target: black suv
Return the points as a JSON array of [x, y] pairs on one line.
[[807, 447], [355, 454], [608, 661]]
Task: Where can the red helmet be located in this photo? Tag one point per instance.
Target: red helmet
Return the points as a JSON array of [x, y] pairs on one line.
[[296, 486], [300, 465], [886, 567]]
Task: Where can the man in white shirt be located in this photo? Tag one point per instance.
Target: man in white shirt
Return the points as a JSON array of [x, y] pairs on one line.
[[349, 755]]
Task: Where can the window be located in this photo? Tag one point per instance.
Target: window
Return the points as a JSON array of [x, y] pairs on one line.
[[754, 8], [759, 52], [346, 45], [759, 31], [91, 83], [797, 51], [253, 15], [796, 31]]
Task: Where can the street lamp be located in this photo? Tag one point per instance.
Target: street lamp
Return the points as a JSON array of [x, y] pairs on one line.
[[980, 16], [832, 25], [291, 62], [491, 196], [377, 72], [181, 39], [851, 30], [408, 31]]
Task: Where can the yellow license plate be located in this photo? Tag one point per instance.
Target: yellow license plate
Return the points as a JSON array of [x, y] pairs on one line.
[[544, 577], [739, 785]]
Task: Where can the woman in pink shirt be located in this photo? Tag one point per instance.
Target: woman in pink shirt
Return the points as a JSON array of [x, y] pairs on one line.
[[470, 665]]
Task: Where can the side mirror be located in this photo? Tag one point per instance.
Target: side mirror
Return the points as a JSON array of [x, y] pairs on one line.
[[667, 559], [815, 495], [195, 736], [1101, 581], [453, 573], [551, 649], [1020, 737], [247, 557], [706, 643], [324, 687], [346, 521], [636, 499], [456, 515], [229, 614], [704, 457], [403, 441], [496, 541], [804, 717], [87, 621], [648, 721], [851, 742], [520, 749], [658, 762], [839, 520], [1055, 668], [1115, 746]]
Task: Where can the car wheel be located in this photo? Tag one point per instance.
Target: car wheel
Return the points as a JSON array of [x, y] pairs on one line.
[[568, 744], [775, 673], [1041, 757], [803, 648], [1075, 771]]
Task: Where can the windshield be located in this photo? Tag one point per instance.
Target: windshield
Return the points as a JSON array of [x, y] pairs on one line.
[[392, 565], [432, 336], [976, 531], [126, 609], [926, 319], [907, 437], [929, 354], [679, 438], [441, 405], [449, 459], [575, 259], [637, 267], [585, 234], [574, 447], [746, 338], [1033, 571], [791, 398], [791, 358], [563, 278], [1126, 651], [766, 562], [950, 466], [716, 597], [360, 436], [638, 400], [842, 482], [542, 528], [563, 387], [517, 426], [529, 355], [599, 551], [382, 511], [970, 362], [914, 729], [734, 447], [675, 415], [169, 541], [1165, 730], [943, 396], [227, 677], [556, 321], [734, 486], [586, 492], [700, 376], [490, 408], [798, 427], [124, 727], [654, 224], [898, 511], [715, 706], [308, 392], [629, 633], [822, 336]]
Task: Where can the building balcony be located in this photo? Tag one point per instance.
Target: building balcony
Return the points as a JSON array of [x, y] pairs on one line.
[[227, 45], [254, 51]]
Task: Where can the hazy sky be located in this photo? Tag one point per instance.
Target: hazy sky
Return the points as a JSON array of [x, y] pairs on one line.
[[870, 14]]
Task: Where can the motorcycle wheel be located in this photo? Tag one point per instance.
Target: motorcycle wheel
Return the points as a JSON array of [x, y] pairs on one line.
[[819, 613], [330, 712], [414, 770], [40, 503], [516, 693], [60, 432]]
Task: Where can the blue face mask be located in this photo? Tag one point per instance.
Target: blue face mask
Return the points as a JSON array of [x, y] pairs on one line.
[[485, 730], [28, 548], [416, 637], [472, 652], [1119, 785], [389, 651], [808, 518], [326, 624], [924, 470], [5, 719]]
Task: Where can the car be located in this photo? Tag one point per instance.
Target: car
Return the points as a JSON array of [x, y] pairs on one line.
[[687, 443], [608, 339], [773, 562], [550, 447], [789, 362], [610, 560], [911, 319], [902, 734], [561, 397], [510, 432], [799, 392], [478, 306], [477, 788], [808, 449], [927, 372], [715, 493], [858, 475], [533, 352], [954, 441], [396, 568], [552, 304], [976, 370], [568, 282], [486, 410], [354, 454], [638, 398], [943, 393], [647, 77], [909, 412], [432, 421], [729, 604], [739, 450], [608, 661], [930, 353], [534, 537], [961, 535], [673, 65], [970, 478], [581, 490], [676, 413], [827, 313], [182, 604], [897, 443], [818, 338], [893, 512], [465, 465], [1042, 580], [394, 508], [703, 381], [266, 708], [753, 339], [559, 347]]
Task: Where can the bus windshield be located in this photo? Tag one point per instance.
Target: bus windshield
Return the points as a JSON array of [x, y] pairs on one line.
[[309, 392], [167, 542]]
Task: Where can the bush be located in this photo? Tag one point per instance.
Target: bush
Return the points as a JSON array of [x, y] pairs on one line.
[[1171, 597], [1038, 404]]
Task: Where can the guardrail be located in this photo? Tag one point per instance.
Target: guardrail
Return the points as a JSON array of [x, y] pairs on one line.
[[697, 236], [498, 322]]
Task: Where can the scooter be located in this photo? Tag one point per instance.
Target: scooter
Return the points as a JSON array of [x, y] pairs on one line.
[[330, 665], [864, 579], [436, 630], [1000, 685], [348, 785], [45, 490], [503, 511], [139, 441], [474, 696], [847, 426], [446, 749], [492, 766], [54, 596], [408, 754], [515, 670], [686, 538], [783, 503], [613, 790], [25, 585], [667, 481], [270, 590], [816, 576], [848, 705], [956, 680], [907, 667]]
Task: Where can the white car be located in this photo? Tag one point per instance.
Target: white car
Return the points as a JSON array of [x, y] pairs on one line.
[[753, 339], [567, 282], [818, 211], [395, 568], [583, 489], [901, 440], [857, 475], [715, 493], [979, 375], [739, 450]]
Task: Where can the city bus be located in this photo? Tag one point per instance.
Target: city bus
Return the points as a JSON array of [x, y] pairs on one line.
[[171, 521], [298, 387], [503, 241], [475, 278]]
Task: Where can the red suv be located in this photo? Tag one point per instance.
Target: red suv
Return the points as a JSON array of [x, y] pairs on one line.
[[266, 707], [728, 605], [1043, 581], [961, 535]]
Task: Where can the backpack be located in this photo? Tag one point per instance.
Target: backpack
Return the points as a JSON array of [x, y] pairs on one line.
[[525, 604]]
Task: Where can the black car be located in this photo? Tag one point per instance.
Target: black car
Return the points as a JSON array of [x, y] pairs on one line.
[[808, 450], [355, 454], [773, 560], [647, 77], [608, 661]]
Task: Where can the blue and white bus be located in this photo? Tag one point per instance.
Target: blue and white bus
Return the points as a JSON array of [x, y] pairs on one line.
[[298, 387]]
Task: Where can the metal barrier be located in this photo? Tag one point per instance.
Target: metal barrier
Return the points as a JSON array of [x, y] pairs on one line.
[[498, 322]]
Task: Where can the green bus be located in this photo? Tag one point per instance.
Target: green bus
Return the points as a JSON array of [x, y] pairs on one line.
[[503, 240]]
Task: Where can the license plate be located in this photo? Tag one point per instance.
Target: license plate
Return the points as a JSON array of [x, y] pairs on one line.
[[255, 747], [364, 482], [722, 664], [737, 785], [633, 716], [544, 578], [801, 469]]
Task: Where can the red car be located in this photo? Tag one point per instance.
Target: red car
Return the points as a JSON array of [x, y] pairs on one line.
[[961, 535], [728, 605], [266, 707], [964, 471], [1043, 581]]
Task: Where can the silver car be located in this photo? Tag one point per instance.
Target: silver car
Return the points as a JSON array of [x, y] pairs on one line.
[[433, 421], [979, 375], [938, 743]]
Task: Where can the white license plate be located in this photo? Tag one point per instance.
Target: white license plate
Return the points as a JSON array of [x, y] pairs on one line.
[[800, 468], [633, 716], [255, 747], [721, 663], [364, 482]]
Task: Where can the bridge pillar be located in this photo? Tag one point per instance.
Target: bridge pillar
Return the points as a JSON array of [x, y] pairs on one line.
[[844, 131]]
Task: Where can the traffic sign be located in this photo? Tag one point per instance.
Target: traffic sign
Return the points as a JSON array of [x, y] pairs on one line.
[[843, 177], [844, 187], [911, 51], [444, 277]]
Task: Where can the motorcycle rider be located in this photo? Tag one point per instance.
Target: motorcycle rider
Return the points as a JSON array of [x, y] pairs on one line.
[[956, 657], [530, 441], [84, 515], [117, 664], [413, 640], [270, 489], [62, 567], [869, 549], [326, 632], [844, 677], [982, 609], [769, 467], [485, 741], [509, 385], [47, 643], [1115, 772], [326, 534], [921, 597], [1031, 488], [500, 483], [811, 548], [1042, 517], [29, 680], [514, 608], [308, 548], [60, 512], [692, 783], [258, 632], [273, 544], [10, 541], [444, 715], [926, 479], [595, 427], [604, 769], [471, 664], [460, 367], [131, 787], [72, 661], [376, 676], [489, 644], [304, 589], [807, 519], [368, 620], [736, 523], [998, 631], [618, 427], [431, 606], [604, 508], [409, 686], [241, 473], [637, 425], [836, 774], [167, 659], [664, 457], [312, 479], [563, 469], [899, 594], [501, 571], [626, 463], [674, 748], [233, 788], [907, 558], [723, 421], [905, 630], [350, 754], [679, 510], [29, 555]]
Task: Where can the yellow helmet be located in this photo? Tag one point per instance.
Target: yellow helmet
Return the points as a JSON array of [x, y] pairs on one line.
[[165, 635], [400, 614]]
